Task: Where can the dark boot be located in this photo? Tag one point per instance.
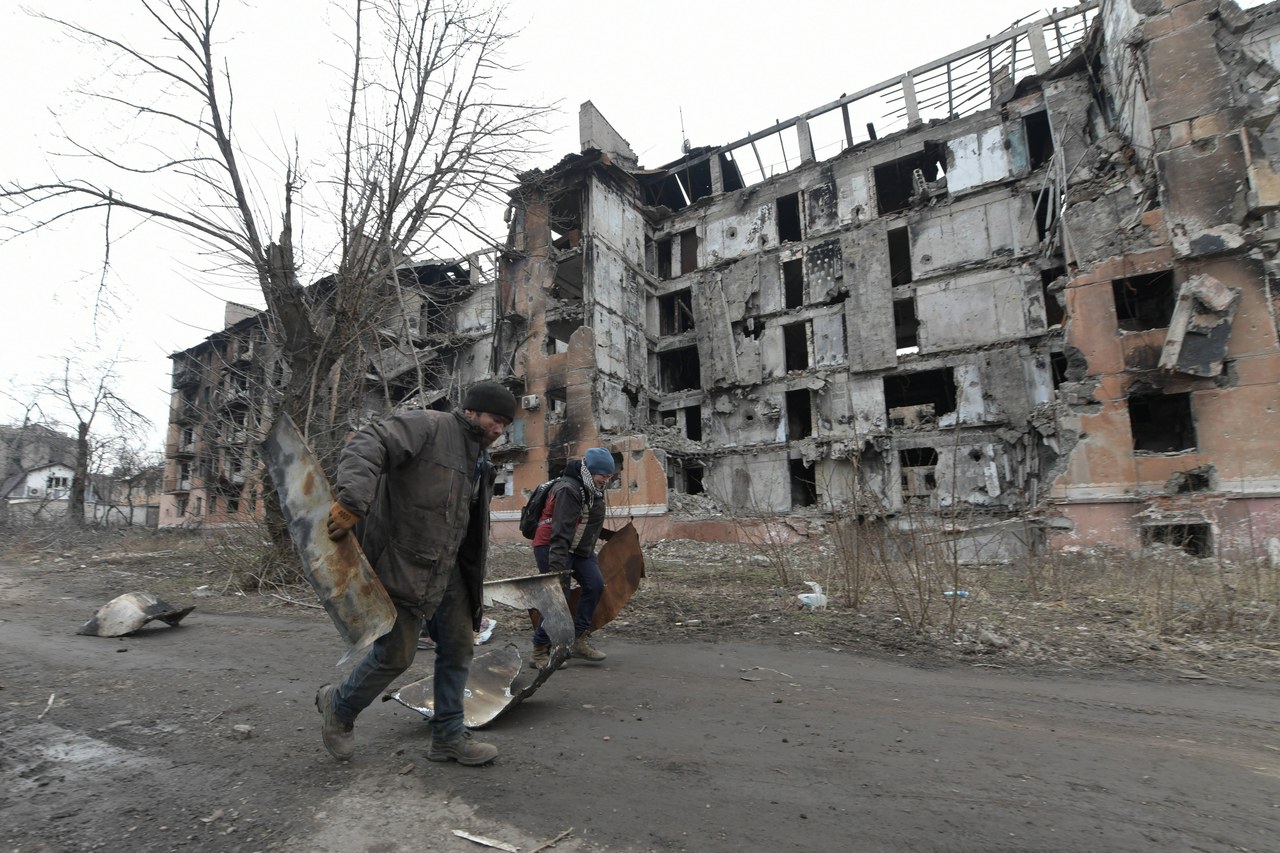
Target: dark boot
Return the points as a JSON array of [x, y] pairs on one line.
[[462, 749]]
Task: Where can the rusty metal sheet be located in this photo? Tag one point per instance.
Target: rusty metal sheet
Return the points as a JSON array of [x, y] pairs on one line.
[[622, 564], [498, 681], [342, 578]]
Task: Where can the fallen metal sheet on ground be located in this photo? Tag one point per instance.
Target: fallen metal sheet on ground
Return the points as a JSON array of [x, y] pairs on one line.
[[342, 578], [127, 613], [492, 684]]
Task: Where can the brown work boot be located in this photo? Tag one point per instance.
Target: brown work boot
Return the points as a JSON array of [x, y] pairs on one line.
[[462, 749], [339, 737], [582, 649], [541, 657]]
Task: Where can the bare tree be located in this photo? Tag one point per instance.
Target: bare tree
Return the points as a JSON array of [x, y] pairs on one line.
[[426, 141], [87, 393]]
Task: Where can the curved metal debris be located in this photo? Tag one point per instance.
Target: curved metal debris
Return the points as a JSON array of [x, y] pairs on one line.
[[498, 682], [622, 564], [351, 593], [495, 684], [126, 613]]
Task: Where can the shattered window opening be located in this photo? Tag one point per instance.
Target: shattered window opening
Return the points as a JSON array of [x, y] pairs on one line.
[[918, 475], [793, 283], [899, 256], [675, 313], [804, 484], [1195, 539], [1043, 202], [897, 184], [928, 393], [1054, 313], [688, 251], [1058, 368], [789, 227], [906, 327], [795, 341], [1195, 480], [799, 414], [1144, 301], [693, 480], [1039, 138], [1162, 423], [679, 370], [693, 423], [663, 247], [557, 404]]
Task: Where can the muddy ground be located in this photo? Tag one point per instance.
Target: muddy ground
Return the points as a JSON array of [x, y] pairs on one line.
[[726, 718]]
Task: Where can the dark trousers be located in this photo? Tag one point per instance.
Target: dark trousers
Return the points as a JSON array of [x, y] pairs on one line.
[[586, 571], [392, 653]]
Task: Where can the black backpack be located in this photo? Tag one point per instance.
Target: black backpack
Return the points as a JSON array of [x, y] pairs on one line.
[[532, 512]]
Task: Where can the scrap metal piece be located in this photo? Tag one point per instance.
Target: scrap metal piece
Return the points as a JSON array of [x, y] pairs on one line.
[[492, 688], [127, 613], [622, 564], [342, 578]]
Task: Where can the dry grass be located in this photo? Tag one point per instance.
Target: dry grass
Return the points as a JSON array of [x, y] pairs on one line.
[[1164, 614]]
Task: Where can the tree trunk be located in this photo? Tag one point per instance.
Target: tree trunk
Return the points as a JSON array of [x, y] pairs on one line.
[[80, 479]]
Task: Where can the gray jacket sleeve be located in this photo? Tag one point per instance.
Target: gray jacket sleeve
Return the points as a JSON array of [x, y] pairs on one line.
[[386, 444]]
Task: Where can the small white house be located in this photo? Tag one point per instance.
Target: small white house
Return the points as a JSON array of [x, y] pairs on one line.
[[42, 493]]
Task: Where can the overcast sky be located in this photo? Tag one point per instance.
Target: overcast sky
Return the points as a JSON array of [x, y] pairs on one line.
[[660, 71]]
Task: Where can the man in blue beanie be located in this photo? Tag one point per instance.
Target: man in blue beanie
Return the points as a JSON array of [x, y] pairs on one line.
[[572, 522]]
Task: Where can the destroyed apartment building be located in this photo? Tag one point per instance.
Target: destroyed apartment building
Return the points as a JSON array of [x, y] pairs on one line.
[[426, 340], [1019, 295]]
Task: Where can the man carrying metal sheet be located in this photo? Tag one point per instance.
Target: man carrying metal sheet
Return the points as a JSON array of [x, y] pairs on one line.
[[572, 522], [419, 484]]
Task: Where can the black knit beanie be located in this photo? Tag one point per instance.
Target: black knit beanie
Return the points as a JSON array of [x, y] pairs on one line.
[[490, 397]]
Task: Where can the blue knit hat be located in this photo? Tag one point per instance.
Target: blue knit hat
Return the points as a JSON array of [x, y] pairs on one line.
[[598, 461]]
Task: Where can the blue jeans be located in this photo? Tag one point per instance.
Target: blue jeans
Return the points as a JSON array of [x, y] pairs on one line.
[[393, 652], [586, 571]]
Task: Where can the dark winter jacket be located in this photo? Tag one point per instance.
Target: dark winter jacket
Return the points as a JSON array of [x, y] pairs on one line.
[[422, 482], [568, 524]]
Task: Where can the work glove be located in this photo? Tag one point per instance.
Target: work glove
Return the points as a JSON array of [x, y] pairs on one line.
[[341, 520]]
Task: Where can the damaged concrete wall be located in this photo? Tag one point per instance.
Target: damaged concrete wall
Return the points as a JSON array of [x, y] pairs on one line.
[[1027, 309], [1170, 306]]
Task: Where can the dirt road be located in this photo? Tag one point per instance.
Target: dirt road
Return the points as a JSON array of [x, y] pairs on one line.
[[698, 747]]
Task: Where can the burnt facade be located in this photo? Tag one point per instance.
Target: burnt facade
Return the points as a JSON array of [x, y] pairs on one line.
[[1029, 303]]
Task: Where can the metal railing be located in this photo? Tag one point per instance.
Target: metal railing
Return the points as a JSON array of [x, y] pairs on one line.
[[959, 84]]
